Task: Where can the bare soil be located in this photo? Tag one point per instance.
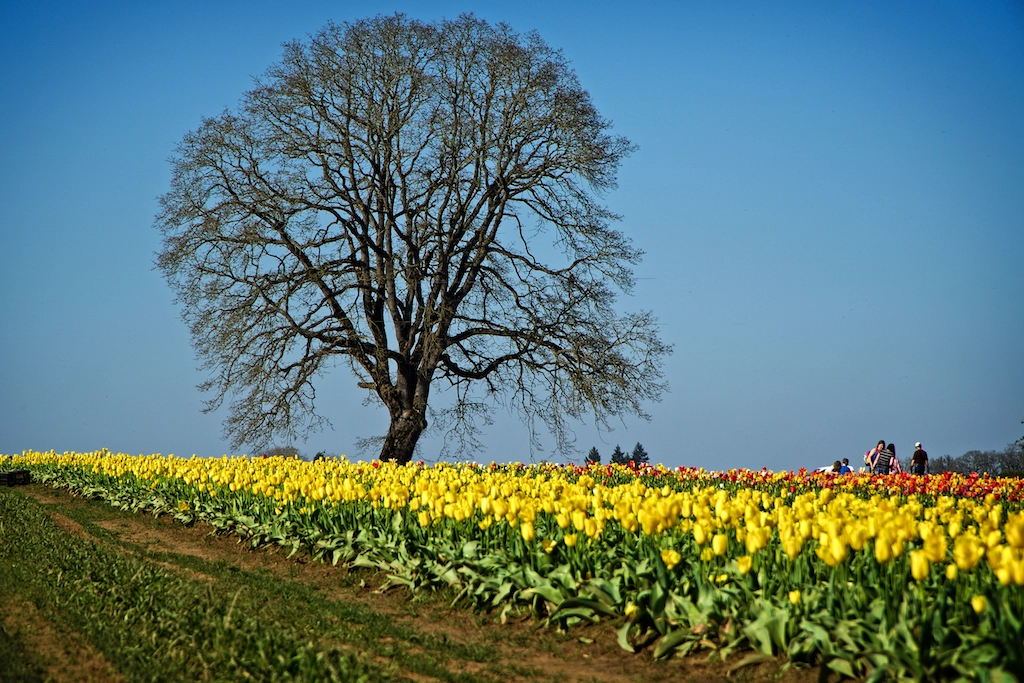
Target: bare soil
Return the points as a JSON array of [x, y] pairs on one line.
[[589, 653]]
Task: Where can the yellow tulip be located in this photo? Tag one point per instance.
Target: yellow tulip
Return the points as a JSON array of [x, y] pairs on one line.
[[526, 529], [670, 557], [883, 552], [935, 547], [919, 565], [979, 603], [1015, 530], [954, 527], [720, 544], [951, 572], [1005, 574], [838, 549], [579, 519], [967, 550], [744, 563], [794, 597]]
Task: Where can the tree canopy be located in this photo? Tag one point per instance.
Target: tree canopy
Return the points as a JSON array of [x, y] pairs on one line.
[[1009, 460], [420, 203]]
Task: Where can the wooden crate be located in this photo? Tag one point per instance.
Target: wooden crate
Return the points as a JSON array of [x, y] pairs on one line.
[[15, 477]]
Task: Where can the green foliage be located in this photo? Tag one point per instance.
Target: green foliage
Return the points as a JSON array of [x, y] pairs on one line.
[[860, 618], [149, 623], [619, 457], [593, 456], [639, 455]]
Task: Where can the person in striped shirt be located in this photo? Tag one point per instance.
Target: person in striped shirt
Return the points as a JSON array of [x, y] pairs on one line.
[[885, 461]]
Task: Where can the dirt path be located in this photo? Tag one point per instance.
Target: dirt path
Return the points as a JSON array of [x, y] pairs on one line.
[[589, 653]]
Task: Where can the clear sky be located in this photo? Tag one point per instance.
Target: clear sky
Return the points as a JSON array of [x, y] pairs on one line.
[[830, 197]]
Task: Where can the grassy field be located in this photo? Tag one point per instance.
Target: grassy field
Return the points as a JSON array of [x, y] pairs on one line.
[[92, 593]]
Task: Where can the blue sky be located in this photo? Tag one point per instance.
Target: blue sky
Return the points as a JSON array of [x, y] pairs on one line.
[[830, 197]]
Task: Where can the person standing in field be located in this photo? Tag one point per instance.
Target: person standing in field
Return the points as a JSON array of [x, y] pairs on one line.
[[919, 463], [884, 460], [896, 467], [869, 456]]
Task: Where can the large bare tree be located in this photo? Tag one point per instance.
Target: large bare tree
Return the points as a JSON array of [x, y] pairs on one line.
[[421, 202]]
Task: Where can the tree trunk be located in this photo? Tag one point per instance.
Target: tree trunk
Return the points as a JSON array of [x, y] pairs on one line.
[[402, 436]]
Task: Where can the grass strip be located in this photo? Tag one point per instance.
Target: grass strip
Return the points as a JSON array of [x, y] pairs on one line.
[[309, 612], [152, 624]]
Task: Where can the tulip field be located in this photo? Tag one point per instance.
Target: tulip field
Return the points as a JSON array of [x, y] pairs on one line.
[[877, 577]]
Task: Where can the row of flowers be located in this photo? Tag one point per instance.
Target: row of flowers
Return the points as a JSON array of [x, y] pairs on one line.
[[677, 555]]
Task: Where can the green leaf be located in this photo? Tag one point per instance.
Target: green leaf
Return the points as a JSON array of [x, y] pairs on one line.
[[759, 637], [363, 561], [670, 642], [753, 658], [841, 666], [502, 592], [606, 591], [623, 636], [1000, 675], [594, 605], [549, 593], [579, 612]]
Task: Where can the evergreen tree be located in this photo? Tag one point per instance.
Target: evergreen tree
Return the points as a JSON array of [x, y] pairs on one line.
[[619, 457], [593, 456], [639, 454]]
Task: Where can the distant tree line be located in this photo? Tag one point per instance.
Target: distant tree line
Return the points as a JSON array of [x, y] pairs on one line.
[[293, 452], [638, 456], [284, 452], [1008, 462]]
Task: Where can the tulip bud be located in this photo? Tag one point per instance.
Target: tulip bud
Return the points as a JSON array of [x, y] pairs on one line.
[[919, 565], [719, 544]]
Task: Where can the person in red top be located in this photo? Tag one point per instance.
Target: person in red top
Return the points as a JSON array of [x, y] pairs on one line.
[[919, 463]]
